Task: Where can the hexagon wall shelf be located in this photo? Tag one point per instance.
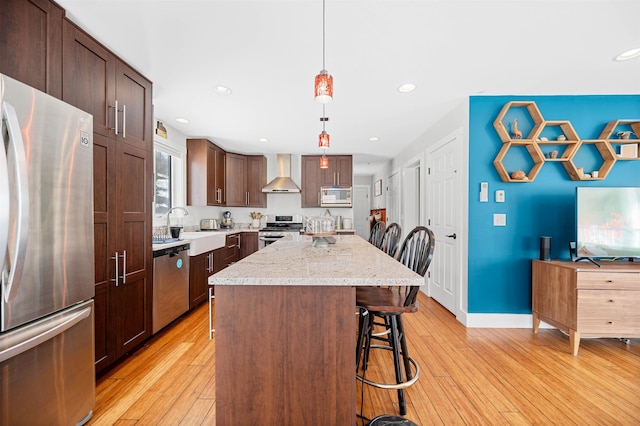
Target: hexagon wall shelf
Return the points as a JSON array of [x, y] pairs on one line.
[[542, 139], [533, 151], [551, 130], [534, 116], [618, 145], [607, 155]]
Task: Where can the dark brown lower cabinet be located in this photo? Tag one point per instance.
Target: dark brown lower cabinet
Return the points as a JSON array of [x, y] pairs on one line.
[[200, 268], [248, 243]]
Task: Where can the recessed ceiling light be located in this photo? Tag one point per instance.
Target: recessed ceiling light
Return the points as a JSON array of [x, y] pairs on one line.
[[374, 139], [629, 54], [222, 90], [407, 87], [263, 139], [182, 120]]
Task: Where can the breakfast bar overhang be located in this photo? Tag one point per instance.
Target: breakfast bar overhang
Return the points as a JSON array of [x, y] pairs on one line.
[[285, 330]]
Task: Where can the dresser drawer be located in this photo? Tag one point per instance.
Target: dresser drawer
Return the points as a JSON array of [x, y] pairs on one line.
[[609, 312], [609, 280]]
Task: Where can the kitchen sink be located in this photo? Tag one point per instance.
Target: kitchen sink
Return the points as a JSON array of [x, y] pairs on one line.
[[202, 242]]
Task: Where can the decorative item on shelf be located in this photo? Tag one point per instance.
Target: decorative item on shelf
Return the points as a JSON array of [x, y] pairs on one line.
[[161, 130], [515, 132], [543, 139], [323, 88], [561, 138], [518, 175], [625, 135], [580, 171], [553, 154], [595, 173], [629, 150]]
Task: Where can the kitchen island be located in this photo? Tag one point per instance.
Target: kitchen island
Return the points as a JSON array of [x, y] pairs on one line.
[[286, 330]]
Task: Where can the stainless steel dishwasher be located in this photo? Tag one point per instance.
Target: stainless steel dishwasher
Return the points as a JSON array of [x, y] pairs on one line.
[[170, 285]]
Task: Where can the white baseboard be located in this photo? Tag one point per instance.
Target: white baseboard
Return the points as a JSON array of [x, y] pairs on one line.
[[498, 320]]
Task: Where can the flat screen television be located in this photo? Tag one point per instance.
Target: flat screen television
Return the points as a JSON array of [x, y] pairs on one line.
[[608, 222]]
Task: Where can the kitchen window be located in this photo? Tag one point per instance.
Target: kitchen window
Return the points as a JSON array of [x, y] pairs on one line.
[[169, 180]]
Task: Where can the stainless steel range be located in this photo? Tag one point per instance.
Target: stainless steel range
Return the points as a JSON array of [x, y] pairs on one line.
[[281, 226]]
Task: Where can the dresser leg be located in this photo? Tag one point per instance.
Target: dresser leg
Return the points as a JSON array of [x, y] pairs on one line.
[[574, 341], [536, 322]]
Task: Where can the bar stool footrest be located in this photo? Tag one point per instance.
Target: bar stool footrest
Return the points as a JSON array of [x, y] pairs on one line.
[[402, 385]]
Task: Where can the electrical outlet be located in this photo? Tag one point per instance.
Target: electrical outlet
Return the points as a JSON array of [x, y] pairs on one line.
[[499, 219]]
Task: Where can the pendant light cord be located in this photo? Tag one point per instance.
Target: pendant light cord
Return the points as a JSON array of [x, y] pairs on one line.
[[323, 36]]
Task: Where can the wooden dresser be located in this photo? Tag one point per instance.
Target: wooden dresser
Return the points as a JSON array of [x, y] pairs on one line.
[[585, 300]]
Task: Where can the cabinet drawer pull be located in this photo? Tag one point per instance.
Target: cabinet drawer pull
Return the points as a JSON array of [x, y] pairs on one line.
[[612, 301], [610, 322]]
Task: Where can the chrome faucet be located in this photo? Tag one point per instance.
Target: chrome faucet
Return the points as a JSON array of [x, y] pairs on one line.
[[186, 213]]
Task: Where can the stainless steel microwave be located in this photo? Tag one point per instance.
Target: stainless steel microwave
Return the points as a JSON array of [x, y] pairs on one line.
[[335, 196]]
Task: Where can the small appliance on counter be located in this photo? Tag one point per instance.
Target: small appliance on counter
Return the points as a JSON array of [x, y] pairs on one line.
[[209, 225], [227, 222]]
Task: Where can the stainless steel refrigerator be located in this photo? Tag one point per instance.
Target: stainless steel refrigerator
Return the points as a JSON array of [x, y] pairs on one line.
[[47, 373]]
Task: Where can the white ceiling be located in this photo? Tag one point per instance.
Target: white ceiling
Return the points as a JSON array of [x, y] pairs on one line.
[[268, 52]]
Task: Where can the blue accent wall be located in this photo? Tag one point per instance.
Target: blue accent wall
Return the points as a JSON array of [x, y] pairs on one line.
[[499, 275]]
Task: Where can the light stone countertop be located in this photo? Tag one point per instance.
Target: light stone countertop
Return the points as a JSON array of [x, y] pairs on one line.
[[292, 260], [188, 237]]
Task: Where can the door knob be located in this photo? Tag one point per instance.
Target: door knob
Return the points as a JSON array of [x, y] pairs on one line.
[[451, 236]]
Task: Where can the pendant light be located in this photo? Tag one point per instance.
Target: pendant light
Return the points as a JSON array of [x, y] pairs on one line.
[[323, 138], [324, 82], [324, 162]]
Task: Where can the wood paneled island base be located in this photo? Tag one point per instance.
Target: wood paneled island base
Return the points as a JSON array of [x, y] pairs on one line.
[[286, 355], [286, 330]]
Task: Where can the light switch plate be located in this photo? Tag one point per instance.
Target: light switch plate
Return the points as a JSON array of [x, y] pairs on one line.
[[484, 192], [499, 219], [500, 196]]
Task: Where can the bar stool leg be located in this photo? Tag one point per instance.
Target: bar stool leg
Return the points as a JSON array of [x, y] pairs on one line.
[[395, 342], [363, 321]]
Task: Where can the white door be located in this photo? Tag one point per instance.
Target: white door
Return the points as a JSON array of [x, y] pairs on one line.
[[411, 193], [361, 210], [393, 199], [443, 207]]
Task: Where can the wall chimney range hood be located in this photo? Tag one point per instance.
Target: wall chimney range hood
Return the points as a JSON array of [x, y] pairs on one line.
[[283, 183]]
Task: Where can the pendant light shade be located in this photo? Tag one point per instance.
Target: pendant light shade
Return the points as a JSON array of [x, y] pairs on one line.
[[324, 162], [324, 87], [324, 140]]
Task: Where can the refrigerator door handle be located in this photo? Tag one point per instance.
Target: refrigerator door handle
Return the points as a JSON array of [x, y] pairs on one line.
[[31, 340], [5, 200], [22, 185]]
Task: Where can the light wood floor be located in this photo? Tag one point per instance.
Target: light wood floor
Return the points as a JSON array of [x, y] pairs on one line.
[[469, 376]]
